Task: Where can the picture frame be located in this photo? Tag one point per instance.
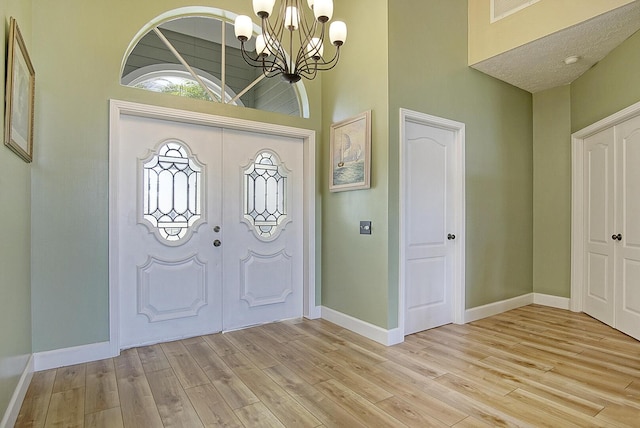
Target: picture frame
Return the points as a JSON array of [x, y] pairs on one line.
[[20, 95], [350, 153]]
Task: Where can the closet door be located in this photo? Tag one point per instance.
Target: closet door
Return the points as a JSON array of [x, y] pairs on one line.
[[599, 199], [627, 225]]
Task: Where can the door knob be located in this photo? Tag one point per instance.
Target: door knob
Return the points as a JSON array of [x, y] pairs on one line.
[[451, 237], [617, 237], [217, 243]]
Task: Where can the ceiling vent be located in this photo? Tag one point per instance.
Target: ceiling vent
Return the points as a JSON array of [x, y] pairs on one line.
[[503, 8]]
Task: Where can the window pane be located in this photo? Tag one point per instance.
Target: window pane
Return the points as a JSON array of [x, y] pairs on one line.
[[171, 191], [265, 194]]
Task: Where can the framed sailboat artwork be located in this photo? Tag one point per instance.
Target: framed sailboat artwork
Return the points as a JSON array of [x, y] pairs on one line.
[[350, 154]]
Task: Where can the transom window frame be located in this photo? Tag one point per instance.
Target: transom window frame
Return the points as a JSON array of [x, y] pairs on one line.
[[214, 13]]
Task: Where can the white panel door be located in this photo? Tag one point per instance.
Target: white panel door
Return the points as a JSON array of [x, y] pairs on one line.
[[429, 162], [168, 189], [263, 263], [627, 269], [599, 212]]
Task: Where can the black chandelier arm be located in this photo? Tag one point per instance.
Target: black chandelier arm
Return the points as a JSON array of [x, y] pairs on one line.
[[312, 67], [328, 65], [302, 52], [259, 61], [273, 36], [307, 34], [253, 62]]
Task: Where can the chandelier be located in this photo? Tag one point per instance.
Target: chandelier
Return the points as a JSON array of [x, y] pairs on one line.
[[290, 30]]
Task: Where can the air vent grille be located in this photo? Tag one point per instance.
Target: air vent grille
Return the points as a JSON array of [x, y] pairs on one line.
[[503, 8]]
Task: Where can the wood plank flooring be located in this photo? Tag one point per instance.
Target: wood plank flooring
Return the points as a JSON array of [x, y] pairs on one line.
[[533, 366]]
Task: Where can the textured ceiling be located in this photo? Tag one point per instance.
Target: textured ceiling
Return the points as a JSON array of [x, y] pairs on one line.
[[539, 65]]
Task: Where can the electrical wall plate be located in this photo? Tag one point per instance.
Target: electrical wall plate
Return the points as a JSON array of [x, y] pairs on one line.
[[365, 228]]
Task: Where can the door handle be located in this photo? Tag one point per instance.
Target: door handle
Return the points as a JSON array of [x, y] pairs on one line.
[[217, 243], [451, 237], [617, 237]]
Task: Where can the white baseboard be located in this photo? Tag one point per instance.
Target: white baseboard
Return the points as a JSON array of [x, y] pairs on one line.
[[552, 301], [13, 409], [70, 356], [496, 308], [363, 328]]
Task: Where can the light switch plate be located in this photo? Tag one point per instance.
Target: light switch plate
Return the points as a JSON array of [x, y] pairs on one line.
[[365, 228]]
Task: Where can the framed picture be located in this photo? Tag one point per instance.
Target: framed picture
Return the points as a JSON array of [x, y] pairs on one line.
[[351, 154], [20, 92]]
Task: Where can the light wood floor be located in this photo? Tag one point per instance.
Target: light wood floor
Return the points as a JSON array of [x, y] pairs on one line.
[[532, 366]]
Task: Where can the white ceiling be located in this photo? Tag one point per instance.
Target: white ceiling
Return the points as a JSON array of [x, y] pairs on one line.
[[539, 65]]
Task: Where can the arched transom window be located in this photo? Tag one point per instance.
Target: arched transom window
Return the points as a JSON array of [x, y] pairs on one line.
[[192, 52]]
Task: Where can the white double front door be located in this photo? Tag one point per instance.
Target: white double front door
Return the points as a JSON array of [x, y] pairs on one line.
[[612, 226], [209, 232]]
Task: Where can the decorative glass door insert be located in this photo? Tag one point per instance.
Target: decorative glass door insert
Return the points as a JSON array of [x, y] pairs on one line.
[[265, 195], [172, 192]]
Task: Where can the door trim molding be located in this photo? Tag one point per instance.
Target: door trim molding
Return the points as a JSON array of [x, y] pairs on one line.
[[577, 199], [459, 216], [118, 108]]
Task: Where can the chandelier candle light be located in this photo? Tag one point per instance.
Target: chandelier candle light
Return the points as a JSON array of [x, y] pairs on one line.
[[282, 29]]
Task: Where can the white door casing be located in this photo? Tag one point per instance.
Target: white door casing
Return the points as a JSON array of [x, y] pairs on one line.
[[119, 112], [619, 137], [431, 222]]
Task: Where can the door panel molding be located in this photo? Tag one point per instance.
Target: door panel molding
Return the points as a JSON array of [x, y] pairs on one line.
[[458, 221], [119, 109], [187, 300], [278, 266]]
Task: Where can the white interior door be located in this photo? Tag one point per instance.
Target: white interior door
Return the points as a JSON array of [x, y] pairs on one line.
[[627, 269], [599, 220], [263, 263], [429, 240], [168, 188]]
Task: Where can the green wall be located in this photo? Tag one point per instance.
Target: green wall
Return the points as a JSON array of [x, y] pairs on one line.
[[83, 59], [417, 59], [608, 87], [15, 209], [428, 73], [552, 192], [354, 266]]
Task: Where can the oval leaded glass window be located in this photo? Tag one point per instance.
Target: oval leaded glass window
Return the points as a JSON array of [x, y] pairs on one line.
[[172, 192], [265, 195]]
